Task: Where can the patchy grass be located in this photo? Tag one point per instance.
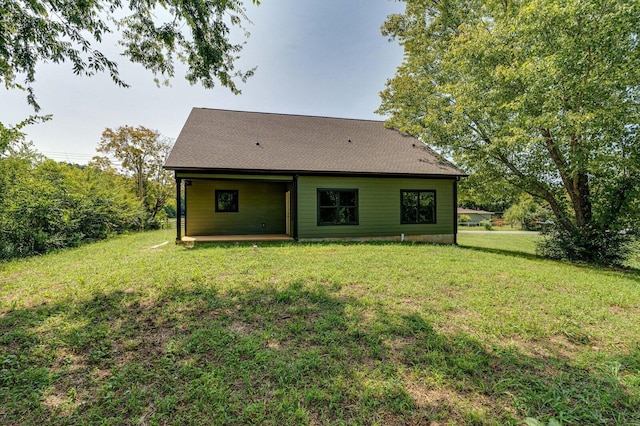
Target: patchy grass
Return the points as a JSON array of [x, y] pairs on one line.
[[389, 333]]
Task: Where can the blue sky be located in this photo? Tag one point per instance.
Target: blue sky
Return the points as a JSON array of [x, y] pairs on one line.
[[313, 57]]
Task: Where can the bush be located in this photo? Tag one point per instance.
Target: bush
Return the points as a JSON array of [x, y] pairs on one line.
[[49, 205], [528, 212], [487, 225], [464, 218], [603, 247]]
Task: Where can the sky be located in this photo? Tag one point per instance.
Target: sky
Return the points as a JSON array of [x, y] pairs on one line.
[[313, 57]]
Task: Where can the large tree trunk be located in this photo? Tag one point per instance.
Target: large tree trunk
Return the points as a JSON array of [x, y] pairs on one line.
[[576, 183], [140, 181], [581, 197]]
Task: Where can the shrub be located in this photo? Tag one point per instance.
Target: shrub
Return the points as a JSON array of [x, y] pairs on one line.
[[49, 205], [464, 218], [603, 247], [528, 212], [487, 225]]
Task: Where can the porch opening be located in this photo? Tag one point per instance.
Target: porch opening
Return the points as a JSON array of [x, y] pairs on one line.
[[222, 210]]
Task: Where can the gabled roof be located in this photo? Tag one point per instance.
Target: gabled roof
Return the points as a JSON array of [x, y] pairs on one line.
[[223, 140]]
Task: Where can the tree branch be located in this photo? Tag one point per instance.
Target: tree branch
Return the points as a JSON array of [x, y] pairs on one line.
[[530, 185], [535, 188], [577, 185]]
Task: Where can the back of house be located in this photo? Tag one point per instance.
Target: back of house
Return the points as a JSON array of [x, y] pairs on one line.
[[259, 176]]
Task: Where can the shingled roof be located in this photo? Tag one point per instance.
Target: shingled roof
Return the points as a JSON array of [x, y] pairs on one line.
[[222, 140]]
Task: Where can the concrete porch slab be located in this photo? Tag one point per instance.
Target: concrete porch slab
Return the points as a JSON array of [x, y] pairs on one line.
[[192, 239]]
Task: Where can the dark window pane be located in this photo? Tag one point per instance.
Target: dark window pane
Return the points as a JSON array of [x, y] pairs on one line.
[[338, 207], [427, 213], [418, 207], [410, 199], [328, 198], [426, 199], [348, 198], [328, 215], [409, 214], [349, 214], [408, 209], [227, 201], [343, 215]]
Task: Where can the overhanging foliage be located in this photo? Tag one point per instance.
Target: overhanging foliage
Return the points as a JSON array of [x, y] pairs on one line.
[[542, 94], [152, 33]]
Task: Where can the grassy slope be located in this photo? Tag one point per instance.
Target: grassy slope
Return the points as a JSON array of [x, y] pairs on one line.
[[484, 333]]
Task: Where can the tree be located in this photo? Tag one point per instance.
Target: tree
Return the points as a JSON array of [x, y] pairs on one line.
[[142, 153], [48, 205], [528, 213], [543, 94], [153, 33], [13, 134], [478, 193]]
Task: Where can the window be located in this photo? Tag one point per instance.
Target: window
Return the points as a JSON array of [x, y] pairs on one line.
[[226, 200], [337, 206], [417, 206]]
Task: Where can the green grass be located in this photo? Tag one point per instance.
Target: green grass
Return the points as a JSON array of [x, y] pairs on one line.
[[381, 333], [481, 228], [495, 242]]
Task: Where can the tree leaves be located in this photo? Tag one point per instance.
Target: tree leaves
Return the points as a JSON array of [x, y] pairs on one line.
[[142, 153], [542, 93], [49, 205], [13, 134], [153, 34]]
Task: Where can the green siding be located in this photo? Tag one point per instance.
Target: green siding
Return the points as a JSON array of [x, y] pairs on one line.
[[259, 203], [378, 209]]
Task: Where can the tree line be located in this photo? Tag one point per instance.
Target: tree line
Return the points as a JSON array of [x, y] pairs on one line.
[[49, 205]]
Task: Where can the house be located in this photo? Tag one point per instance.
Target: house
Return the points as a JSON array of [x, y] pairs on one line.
[[262, 176], [476, 217]]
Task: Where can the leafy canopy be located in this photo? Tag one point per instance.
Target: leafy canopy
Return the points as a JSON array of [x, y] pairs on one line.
[[141, 152], [541, 94], [153, 33], [48, 205]]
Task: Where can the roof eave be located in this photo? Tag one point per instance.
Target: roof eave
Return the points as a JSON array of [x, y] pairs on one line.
[[207, 170]]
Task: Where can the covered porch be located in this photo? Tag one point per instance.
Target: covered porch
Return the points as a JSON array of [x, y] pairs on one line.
[[234, 208]]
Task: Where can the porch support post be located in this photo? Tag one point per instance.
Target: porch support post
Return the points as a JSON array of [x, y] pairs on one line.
[[178, 209], [455, 211], [294, 206]]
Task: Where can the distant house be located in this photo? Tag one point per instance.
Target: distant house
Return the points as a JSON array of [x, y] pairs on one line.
[[260, 176], [475, 216]]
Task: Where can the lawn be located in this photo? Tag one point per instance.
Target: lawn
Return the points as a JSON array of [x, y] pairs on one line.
[[119, 332]]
